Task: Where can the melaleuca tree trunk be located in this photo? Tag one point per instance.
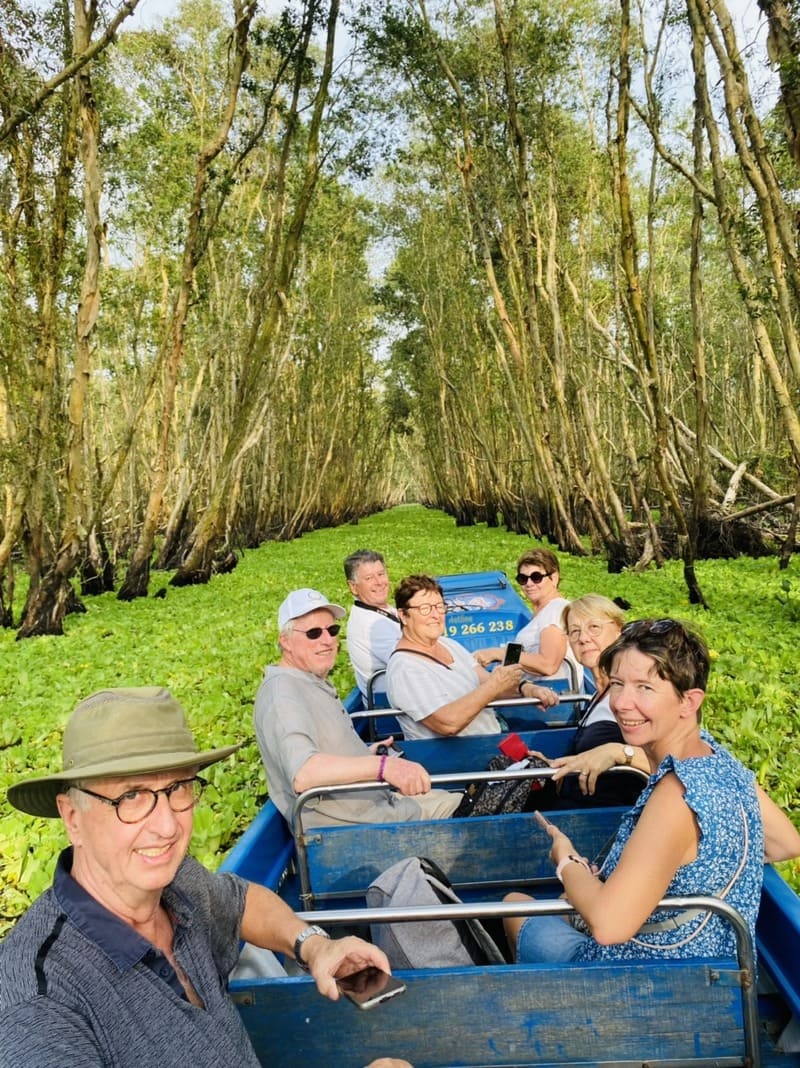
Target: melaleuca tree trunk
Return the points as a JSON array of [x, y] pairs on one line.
[[54, 596], [281, 256], [199, 226]]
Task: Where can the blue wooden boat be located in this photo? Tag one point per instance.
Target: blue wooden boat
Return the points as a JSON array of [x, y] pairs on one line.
[[664, 1014]]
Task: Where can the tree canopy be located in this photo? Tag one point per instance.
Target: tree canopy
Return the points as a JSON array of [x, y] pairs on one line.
[[533, 264]]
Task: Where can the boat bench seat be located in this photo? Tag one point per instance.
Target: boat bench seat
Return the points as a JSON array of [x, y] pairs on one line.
[[675, 1012], [474, 751], [486, 851]]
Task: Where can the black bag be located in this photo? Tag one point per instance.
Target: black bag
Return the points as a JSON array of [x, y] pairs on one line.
[[494, 798], [426, 944]]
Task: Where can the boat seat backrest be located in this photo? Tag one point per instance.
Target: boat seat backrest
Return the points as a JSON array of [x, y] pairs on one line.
[[675, 1012], [490, 850]]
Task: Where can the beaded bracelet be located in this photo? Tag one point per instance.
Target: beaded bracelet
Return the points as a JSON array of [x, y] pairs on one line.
[[380, 769]]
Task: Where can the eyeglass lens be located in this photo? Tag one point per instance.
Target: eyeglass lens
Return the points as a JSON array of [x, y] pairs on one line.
[[592, 629], [535, 577], [316, 632], [136, 805], [426, 609]]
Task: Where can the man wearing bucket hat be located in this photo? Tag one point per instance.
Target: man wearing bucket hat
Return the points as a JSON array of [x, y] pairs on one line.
[[307, 739], [111, 964]]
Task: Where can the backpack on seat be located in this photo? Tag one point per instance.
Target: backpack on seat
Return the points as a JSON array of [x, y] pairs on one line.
[[432, 943]]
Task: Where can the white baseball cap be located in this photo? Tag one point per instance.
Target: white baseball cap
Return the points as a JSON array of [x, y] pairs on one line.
[[301, 602]]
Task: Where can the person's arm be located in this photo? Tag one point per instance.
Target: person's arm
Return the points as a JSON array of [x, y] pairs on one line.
[[328, 769], [490, 655], [454, 716], [552, 650], [268, 922], [665, 838], [595, 761], [781, 837]]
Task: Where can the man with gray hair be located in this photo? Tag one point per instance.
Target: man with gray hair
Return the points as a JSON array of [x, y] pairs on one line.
[[111, 964], [373, 627], [307, 739]]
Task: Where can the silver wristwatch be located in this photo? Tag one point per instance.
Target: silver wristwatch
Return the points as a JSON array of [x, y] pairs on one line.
[[314, 929]]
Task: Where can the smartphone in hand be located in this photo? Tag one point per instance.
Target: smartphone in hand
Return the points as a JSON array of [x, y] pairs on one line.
[[390, 750], [513, 653], [370, 987]]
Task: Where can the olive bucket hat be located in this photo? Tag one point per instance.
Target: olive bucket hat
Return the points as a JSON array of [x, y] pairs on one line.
[[115, 733]]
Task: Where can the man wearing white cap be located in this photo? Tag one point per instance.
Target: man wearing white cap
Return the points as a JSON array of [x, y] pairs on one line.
[[307, 739], [125, 960]]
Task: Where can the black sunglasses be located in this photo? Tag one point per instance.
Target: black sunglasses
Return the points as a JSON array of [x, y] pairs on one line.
[[535, 577], [316, 632]]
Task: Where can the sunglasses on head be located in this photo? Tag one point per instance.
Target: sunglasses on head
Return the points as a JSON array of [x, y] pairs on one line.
[[316, 632], [649, 626], [535, 577]]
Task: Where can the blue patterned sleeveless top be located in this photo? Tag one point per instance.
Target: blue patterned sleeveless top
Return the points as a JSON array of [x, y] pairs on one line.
[[730, 861]]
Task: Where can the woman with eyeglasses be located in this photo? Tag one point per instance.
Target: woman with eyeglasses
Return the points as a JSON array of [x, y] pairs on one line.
[[545, 651], [697, 828], [435, 681], [592, 623]]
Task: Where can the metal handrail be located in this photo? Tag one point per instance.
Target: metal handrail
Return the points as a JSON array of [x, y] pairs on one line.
[[371, 686], [493, 910], [306, 892], [563, 698]]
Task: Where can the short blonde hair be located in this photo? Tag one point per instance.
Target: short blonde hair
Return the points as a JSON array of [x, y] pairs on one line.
[[594, 606]]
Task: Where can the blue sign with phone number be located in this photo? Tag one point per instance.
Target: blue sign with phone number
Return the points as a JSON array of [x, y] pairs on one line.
[[475, 630]]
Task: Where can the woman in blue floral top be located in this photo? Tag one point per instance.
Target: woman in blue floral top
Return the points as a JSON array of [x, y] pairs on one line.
[[696, 828]]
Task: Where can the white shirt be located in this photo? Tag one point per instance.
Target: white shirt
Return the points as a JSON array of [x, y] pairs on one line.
[[530, 637], [371, 637], [419, 685]]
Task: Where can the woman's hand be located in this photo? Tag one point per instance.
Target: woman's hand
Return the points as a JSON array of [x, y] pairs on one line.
[[586, 765], [488, 656], [561, 846], [505, 680], [545, 695]]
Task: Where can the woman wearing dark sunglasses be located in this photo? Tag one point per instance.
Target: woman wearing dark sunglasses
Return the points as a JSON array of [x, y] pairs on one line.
[[545, 651], [701, 825]]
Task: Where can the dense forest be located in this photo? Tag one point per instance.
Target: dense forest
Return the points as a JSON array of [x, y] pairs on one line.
[[534, 264]]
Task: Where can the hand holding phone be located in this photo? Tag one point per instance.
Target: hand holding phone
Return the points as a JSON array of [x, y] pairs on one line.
[[370, 987], [513, 653], [388, 750]]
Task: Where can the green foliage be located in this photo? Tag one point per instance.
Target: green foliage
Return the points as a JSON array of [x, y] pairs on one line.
[[209, 644]]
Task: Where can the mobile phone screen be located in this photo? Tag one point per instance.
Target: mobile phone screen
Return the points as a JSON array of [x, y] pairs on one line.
[[370, 987], [513, 653]]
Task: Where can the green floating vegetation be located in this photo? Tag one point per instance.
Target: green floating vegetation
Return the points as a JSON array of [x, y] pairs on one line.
[[210, 644]]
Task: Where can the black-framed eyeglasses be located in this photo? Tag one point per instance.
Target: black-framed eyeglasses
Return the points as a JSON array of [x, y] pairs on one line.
[[536, 577], [136, 805], [648, 626], [316, 632], [426, 609]]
